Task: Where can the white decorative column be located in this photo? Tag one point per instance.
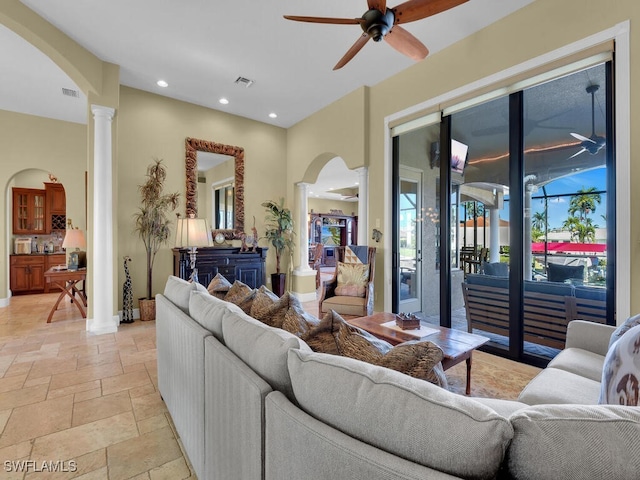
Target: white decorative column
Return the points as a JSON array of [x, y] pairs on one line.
[[494, 235], [103, 321], [363, 205], [302, 192]]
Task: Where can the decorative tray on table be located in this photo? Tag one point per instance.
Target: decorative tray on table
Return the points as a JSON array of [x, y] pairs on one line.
[[407, 321]]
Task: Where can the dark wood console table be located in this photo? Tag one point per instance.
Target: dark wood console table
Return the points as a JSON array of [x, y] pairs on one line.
[[248, 267]]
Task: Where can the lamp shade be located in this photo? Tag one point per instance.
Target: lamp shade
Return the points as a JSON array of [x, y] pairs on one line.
[[193, 232], [74, 238]]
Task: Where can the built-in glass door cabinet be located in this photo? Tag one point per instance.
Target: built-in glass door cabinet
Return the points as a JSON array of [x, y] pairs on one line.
[[28, 211], [332, 230]]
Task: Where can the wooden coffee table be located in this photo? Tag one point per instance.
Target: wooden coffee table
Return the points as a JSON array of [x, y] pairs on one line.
[[456, 344]]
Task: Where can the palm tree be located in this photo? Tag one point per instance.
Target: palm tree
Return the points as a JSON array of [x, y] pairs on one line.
[[539, 221], [584, 202], [583, 231]]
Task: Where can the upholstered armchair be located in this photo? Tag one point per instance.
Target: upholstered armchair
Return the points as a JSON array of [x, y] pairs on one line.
[[344, 299]]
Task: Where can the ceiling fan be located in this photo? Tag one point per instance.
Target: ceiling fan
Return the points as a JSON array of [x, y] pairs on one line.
[[381, 22], [594, 143]]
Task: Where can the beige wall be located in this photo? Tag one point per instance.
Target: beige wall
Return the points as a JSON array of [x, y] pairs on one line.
[[152, 126], [323, 205]]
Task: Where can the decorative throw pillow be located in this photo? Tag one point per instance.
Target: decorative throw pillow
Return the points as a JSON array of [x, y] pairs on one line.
[[262, 302], [322, 337], [416, 359], [241, 295], [286, 313], [219, 286], [621, 371], [352, 279], [624, 328]]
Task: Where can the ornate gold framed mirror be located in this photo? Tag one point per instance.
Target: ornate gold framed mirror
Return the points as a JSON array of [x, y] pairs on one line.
[[192, 147]]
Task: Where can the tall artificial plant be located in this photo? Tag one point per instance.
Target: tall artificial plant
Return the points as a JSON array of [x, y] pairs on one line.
[[279, 224], [152, 221]]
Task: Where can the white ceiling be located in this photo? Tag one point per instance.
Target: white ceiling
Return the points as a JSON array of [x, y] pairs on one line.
[[200, 47]]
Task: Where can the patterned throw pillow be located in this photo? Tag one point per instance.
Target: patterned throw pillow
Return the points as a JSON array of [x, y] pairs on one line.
[[352, 279], [241, 295], [624, 328], [621, 371], [333, 335], [219, 286], [262, 302], [286, 313]]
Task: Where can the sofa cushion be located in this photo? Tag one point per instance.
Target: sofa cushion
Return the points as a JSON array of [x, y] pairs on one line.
[[628, 324], [178, 291], [622, 370], [352, 279], [497, 269], [410, 418], [553, 385], [261, 347], [569, 442], [207, 310], [241, 295], [219, 286], [345, 305], [581, 362]]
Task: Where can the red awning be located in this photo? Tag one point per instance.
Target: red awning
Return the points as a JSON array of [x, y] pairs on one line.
[[568, 247]]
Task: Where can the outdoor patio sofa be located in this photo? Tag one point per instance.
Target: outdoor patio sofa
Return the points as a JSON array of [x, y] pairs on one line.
[[253, 402], [548, 307]]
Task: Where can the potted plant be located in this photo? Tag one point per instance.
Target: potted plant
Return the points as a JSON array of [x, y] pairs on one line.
[[279, 224], [152, 225]]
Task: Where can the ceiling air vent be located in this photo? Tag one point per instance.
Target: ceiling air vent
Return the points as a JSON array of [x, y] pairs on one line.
[[244, 82], [71, 93]]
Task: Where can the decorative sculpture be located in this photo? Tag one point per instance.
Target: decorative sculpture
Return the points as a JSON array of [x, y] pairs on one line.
[[127, 294]]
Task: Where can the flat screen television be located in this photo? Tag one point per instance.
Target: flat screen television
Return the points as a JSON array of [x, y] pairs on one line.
[[459, 153]]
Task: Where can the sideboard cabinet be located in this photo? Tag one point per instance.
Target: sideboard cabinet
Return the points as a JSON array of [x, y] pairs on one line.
[[248, 267]]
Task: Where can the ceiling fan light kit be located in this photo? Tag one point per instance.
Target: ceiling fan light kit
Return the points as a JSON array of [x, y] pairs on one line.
[[594, 143], [380, 22]]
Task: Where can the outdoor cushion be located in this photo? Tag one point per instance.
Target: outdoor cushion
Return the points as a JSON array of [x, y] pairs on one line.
[[553, 442], [414, 419], [497, 269], [560, 273], [487, 280], [621, 371]]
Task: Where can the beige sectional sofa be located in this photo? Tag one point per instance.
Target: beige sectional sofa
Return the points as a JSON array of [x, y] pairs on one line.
[[251, 401]]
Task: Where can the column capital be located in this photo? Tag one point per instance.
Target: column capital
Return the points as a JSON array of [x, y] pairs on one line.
[[102, 111]]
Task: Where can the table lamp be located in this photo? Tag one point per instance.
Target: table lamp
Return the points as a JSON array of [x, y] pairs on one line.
[[74, 239], [192, 233]]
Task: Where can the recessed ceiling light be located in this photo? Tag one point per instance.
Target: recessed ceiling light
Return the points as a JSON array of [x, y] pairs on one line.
[[162, 83], [273, 115], [223, 101]]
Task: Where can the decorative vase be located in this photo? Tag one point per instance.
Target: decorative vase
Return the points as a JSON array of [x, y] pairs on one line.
[[278, 283], [147, 309]]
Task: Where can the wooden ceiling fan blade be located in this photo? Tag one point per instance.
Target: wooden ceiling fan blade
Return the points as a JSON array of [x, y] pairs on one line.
[[378, 5], [355, 48], [406, 43], [417, 9], [335, 21]]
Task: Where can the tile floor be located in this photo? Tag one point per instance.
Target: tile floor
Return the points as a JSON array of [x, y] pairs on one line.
[[67, 396]]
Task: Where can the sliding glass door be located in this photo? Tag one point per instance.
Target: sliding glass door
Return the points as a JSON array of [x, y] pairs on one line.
[[530, 214]]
